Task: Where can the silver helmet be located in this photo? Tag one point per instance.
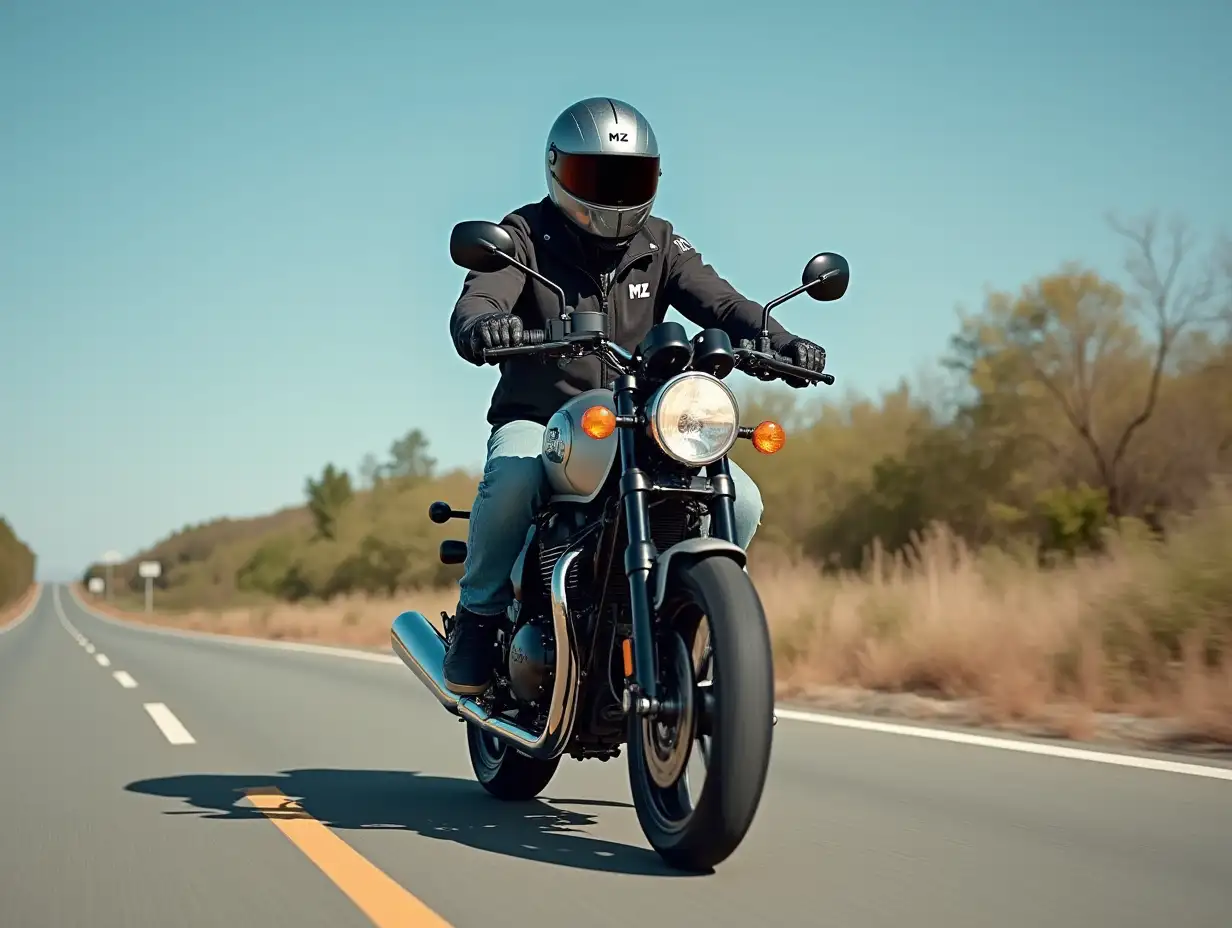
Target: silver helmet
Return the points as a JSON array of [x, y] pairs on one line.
[[602, 164]]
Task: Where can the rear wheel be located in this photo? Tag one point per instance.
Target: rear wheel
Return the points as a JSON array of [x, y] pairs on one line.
[[503, 771], [713, 620]]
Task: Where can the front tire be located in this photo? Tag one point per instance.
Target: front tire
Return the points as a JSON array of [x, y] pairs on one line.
[[503, 771], [735, 712]]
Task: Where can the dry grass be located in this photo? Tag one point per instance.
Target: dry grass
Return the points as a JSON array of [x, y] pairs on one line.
[[1142, 631], [18, 606], [358, 622]]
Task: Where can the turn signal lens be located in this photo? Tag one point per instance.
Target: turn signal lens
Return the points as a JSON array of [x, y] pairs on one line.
[[598, 422], [769, 437]]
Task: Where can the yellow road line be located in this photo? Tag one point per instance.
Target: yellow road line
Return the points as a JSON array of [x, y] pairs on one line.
[[385, 902]]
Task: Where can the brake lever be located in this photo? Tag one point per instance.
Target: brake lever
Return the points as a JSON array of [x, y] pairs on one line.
[[767, 366]]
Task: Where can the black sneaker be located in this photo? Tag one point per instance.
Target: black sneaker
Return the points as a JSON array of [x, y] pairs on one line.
[[468, 662]]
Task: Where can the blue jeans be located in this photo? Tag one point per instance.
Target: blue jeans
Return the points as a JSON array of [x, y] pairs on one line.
[[513, 488]]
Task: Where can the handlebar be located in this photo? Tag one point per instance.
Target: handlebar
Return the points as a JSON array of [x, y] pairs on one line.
[[535, 342], [751, 361]]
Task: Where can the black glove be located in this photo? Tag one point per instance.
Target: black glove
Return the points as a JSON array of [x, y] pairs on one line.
[[495, 330], [803, 353]]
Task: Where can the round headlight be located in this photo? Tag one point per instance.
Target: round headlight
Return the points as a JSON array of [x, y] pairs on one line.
[[694, 418]]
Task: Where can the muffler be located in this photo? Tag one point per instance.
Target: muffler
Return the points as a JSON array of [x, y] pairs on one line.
[[422, 648]]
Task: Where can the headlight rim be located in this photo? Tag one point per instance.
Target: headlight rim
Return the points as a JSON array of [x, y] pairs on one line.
[[652, 417]]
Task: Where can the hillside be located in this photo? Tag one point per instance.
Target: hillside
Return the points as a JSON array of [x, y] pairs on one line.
[[380, 538]]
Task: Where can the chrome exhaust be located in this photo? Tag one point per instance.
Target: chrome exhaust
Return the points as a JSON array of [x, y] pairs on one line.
[[422, 648]]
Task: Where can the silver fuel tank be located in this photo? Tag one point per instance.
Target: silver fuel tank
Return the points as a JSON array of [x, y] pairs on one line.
[[576, 464]]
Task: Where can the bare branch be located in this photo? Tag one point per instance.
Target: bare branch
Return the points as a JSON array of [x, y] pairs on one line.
[[1082, 426], [1176, 305]]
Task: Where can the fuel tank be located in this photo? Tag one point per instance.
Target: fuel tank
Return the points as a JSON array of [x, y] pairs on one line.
[[576, 464]]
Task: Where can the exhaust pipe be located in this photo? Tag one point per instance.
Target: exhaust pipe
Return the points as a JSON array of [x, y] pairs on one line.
[[420, 646]]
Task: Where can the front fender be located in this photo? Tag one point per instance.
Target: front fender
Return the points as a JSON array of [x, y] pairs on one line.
[[691, 549]]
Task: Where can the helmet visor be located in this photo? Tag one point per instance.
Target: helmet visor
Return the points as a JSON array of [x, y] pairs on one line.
[[608, 180]]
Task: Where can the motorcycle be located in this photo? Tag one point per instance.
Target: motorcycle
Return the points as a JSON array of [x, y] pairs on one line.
[[634, 620]]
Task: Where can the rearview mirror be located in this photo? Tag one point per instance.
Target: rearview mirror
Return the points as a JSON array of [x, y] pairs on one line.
[[479, 245], [826, 276]]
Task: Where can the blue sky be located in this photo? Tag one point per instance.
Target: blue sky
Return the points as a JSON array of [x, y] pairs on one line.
[[224, 226]]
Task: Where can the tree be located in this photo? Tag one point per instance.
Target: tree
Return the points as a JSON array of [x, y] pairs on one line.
[[327, 497], [17, 565], [370, 471], [1066, 354], [409, 457]]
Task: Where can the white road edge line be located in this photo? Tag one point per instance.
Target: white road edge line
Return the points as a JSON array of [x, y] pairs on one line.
[[1011, 744], [124, 678], [72, 629], [103, 660], [171, 727], [816, 718], [28, 611]]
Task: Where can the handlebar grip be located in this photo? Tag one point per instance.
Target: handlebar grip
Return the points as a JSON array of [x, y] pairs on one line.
[[784, 368], [531, 340], [536, 344]]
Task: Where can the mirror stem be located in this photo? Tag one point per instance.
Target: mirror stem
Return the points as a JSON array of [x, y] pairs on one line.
[[555, 288], [763, 340]]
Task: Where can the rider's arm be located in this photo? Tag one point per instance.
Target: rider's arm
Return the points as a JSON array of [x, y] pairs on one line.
[[708, 300], [492, 292]]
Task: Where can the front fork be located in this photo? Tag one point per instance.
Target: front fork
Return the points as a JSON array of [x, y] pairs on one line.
[[640, 672]]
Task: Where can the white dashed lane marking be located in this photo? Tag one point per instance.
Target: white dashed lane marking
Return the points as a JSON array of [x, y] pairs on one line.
[[171, 727]]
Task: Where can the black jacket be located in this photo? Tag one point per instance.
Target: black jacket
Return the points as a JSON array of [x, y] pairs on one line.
[[658, 268]]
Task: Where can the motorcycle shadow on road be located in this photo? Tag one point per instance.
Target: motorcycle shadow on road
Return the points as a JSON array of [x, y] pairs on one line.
[[444, 808]]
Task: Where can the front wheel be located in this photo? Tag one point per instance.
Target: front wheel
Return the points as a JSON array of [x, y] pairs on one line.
[[503, 771], [712, 604]]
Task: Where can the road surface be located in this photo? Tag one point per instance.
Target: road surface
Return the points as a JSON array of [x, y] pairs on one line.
[[158, 780]]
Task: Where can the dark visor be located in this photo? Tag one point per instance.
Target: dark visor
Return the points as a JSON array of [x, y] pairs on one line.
[[608, 180]]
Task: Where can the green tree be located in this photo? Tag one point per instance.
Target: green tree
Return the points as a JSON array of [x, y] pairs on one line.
[[327, 497], [409, 457], [370, 471]]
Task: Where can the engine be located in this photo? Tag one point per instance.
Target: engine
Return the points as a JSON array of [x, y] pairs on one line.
[[532, 661]]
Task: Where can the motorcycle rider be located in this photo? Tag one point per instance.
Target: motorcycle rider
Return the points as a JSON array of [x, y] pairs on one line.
[[594, 235]]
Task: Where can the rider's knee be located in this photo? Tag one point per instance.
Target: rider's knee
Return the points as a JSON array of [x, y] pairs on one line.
[[513, 482], [748, 499], [746, 508]]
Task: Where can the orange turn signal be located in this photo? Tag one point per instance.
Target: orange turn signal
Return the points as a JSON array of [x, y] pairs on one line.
[[598, 422], [769, 437]]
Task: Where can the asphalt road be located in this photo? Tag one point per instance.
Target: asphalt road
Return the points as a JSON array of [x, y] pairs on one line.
[[115, 812]]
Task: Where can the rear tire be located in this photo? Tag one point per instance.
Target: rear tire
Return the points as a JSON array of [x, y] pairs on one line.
[[736, 714], [503, 771]]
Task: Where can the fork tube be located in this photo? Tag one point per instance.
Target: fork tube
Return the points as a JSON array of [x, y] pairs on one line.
[[722, 506], [640, 554]]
